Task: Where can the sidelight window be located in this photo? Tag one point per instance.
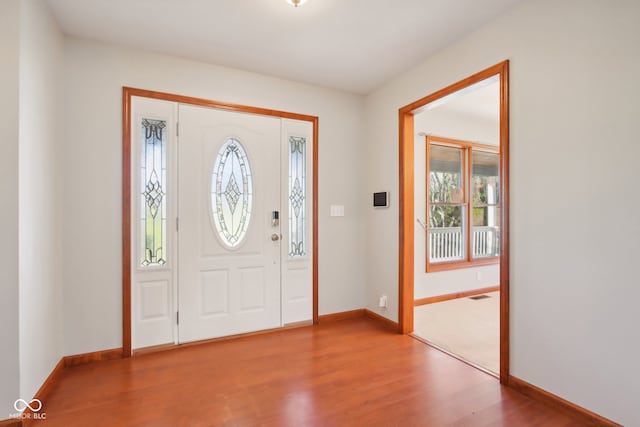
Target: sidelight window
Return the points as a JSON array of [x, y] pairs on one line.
[[153, 201], [297, 198]]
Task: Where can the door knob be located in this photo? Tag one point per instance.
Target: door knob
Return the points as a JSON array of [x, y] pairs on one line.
[[275, 237]]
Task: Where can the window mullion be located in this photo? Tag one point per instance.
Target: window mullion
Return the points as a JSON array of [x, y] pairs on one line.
[[467, 193]]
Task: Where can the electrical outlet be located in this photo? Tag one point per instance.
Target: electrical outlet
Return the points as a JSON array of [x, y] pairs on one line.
[[336, 210], [382, 303]]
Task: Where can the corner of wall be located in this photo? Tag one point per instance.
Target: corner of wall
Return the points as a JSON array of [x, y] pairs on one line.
[[9, 125], [40, 287]]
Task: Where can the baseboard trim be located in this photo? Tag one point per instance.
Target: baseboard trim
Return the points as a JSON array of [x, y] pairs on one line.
[[54, 377], [456, 295], [43, 392], [13, 422], [579, 413], [362, 312], [381, 320], [94, 356], [343, 315]]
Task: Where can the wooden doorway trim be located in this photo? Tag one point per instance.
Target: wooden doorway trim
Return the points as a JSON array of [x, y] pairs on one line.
[[127, 94], [407, 219]]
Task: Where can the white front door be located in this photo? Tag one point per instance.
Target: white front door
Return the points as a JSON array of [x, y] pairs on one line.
[[207, 259], [229, 246]]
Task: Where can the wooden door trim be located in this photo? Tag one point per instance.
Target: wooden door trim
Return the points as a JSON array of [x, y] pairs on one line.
[[406, 211], [127, 94]]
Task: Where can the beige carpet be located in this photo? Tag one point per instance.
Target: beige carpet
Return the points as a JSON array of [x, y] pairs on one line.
[[467, 328]]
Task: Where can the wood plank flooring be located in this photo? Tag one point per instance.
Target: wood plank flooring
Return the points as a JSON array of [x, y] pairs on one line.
[[346, 373]]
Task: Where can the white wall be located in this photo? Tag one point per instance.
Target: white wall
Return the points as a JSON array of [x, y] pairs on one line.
[[9, 333], [457, 125], [575, 98], [91, 177], [40, 277]]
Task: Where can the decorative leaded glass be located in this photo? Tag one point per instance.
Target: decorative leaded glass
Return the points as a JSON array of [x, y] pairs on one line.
[[153, 204], [297, 195], [231, 193]]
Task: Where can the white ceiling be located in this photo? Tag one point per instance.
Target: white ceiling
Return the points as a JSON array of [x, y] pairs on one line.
[[481, 101], [352, 45]]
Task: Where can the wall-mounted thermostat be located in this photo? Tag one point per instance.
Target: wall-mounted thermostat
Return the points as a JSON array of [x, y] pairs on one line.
[[381, 199]]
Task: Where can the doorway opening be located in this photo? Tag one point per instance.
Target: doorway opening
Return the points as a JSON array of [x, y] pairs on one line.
[[454, 218]]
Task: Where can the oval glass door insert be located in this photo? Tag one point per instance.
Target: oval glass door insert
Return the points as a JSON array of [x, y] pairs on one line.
[[231, 193]]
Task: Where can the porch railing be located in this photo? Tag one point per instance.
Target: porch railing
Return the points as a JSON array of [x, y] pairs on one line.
[[447, 244]]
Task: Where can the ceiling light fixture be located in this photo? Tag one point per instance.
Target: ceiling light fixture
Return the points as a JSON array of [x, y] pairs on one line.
[[296, 3]]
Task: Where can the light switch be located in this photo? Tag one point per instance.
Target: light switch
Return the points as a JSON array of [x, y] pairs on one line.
[[337, 210]]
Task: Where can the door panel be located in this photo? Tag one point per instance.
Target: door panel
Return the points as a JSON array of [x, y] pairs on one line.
[[227, 287], [214, 293], [154, 300], [253, 285], [153, 297], [297, 219]]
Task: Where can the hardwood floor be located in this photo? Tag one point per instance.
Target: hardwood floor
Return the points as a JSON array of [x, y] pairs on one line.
[[347, 373]]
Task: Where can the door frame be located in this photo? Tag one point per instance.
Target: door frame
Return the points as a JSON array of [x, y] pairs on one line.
[[406, 212], [127, 94]]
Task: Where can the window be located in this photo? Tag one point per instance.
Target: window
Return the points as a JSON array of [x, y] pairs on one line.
[[231, 193], [153, 203], [463, 204], [297, 199]]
